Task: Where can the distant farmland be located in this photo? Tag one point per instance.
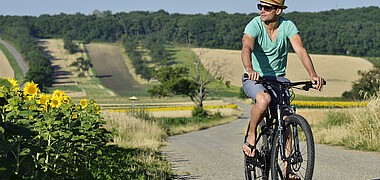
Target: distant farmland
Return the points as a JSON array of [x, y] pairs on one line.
[[5, 68], [112, 70]]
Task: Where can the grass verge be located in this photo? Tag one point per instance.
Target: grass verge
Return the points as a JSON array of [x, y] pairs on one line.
[[139, 138], [357, 128]]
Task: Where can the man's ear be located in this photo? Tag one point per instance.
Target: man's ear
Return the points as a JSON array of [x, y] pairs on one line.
[[279, 11]]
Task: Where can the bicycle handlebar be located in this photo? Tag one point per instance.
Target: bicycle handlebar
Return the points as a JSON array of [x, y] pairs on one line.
[[306, 87]]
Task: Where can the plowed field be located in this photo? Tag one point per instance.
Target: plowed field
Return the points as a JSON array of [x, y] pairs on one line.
[[111, 69]]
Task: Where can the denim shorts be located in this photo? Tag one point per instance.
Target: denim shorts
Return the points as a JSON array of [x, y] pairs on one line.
[[252, 88]]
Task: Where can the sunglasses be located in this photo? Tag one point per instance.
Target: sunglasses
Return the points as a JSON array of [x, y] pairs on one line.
[[266, 8]]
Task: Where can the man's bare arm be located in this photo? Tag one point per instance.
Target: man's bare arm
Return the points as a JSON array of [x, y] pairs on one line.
[[248, 44], [298, 47]]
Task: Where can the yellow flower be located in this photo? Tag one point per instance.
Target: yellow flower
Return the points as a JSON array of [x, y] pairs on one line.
[[83, 103], [13, 82], [74, 116], [43, 99], [58, 93], [66, 99], [31, 89], [55, 102]]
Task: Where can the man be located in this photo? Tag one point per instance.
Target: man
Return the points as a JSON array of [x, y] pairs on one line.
[[266, 41]]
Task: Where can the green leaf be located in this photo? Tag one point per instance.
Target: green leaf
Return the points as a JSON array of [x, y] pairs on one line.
[[24, 152], [2, 130], [5, 82]]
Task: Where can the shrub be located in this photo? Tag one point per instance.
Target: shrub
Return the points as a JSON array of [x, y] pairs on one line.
[[199, 112]]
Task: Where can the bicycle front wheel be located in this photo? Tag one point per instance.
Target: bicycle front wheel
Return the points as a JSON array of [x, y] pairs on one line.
[[299, 150]]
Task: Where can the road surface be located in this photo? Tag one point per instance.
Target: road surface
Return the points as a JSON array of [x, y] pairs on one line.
[[215, 153]]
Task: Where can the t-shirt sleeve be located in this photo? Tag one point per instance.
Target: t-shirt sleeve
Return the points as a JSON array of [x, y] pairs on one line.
[[252, 29], [291, 29]]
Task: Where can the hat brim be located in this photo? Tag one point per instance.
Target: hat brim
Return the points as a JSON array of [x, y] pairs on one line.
[[271, 3]]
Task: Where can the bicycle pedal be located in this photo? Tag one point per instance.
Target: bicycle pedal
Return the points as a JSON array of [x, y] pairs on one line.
[[253, 160]]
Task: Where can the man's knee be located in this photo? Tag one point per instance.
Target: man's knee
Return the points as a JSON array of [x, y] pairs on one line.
[[263, 98]]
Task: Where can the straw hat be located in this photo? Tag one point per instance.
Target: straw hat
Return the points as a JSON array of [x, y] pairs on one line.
[[279, 3]]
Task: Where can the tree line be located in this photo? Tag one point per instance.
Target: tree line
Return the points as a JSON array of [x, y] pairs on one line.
[[343, 32]]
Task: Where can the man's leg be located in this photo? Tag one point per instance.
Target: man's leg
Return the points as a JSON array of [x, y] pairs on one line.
[[257, 113], [288, 150]]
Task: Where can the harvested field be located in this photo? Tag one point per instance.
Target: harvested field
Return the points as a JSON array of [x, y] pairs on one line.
[[5, 68], [339, 71], [111, 68], [64, 74]]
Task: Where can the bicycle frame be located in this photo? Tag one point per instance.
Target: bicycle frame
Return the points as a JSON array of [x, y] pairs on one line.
[[283, 108]]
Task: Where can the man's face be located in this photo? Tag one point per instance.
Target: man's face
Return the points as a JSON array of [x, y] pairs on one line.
[[267, 12]]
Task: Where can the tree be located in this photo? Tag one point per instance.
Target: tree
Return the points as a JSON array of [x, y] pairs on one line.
[[196, 85], [367, 86], [83, 65]]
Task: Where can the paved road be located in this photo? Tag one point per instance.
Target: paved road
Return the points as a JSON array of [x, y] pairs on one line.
[[215, 153], [20, 61]]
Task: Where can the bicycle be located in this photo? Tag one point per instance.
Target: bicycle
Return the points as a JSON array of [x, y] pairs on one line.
[[280, 123]]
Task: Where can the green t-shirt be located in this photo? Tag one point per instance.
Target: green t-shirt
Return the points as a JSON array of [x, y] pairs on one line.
[[269, 58]]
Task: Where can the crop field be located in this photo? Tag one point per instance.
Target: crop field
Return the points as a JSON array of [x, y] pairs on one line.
[[5, 68], [339, 71], [112, 70]]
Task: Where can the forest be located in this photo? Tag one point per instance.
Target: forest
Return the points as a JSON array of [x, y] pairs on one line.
[[353, 32]]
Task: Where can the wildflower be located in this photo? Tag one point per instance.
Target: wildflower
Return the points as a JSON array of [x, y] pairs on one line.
[[31, 89], [83, 103]]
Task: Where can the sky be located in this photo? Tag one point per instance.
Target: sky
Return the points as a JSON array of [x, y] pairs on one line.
[[38, 7]]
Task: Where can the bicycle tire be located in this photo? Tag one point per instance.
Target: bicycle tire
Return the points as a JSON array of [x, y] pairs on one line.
[[253, 172], [302, 161]]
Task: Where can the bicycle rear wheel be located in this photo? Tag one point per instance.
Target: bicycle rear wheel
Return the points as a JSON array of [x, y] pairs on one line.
[[259, 169], [300, 150]]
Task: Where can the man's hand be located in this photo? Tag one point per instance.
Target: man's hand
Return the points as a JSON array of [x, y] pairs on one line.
[[319, 81], [252, 75]]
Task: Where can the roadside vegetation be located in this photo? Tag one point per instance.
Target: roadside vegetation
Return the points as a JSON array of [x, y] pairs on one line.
[[357, 128]]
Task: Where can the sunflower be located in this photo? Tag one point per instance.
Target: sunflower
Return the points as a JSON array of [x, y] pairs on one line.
[[65, 99], [13, 82], [31, 89], [58, 93], [83, 103], [43, 99], [55, 102]]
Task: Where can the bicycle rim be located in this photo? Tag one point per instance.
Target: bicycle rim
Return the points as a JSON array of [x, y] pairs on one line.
[[301, 155]]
